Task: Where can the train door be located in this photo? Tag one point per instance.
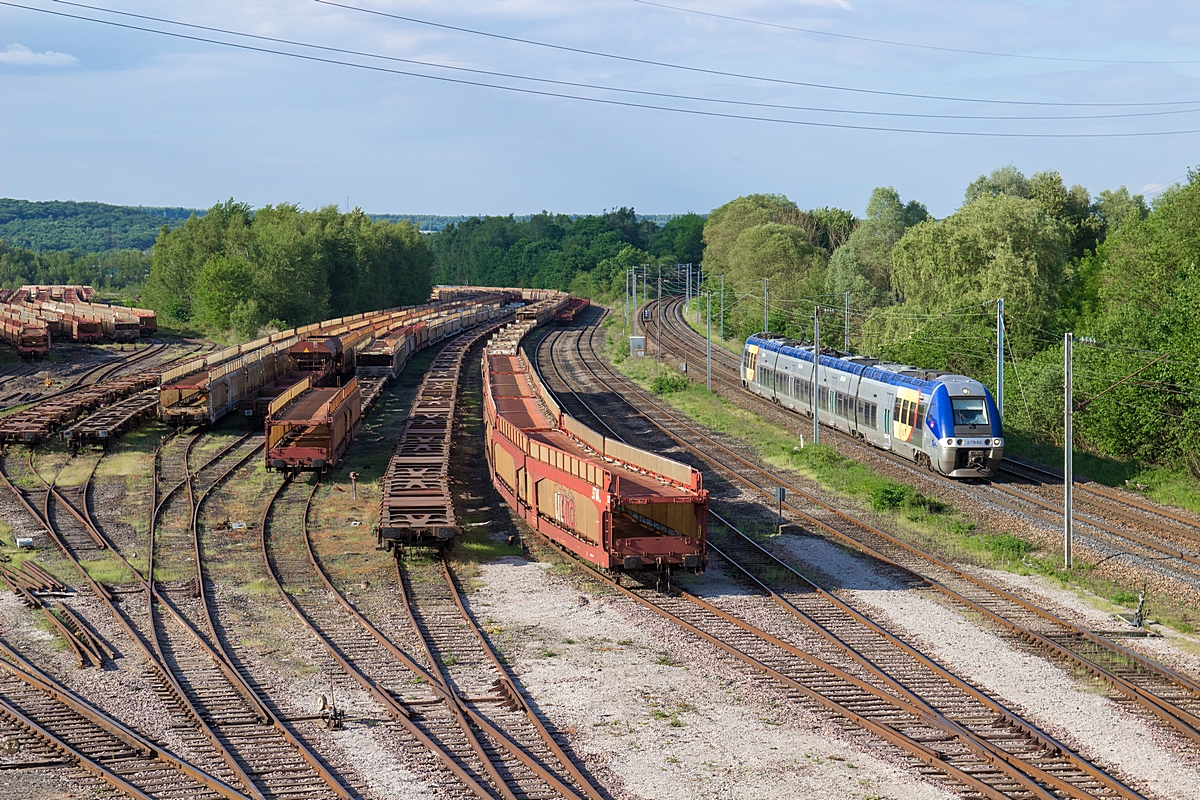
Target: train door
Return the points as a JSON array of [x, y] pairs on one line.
[[886, 402]]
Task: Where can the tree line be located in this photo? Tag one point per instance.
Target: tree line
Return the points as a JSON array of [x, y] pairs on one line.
[[1115, 270], [587, 255], [237, 271], [108, 269], [84, 227]]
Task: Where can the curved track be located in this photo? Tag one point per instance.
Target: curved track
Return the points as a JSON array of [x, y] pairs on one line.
[[753, 559], [1122, 526], [1172, 698], [445, 685]]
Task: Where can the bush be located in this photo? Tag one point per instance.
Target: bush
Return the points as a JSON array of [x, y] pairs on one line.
[[1006, 546], [887, 496], [669, 384]]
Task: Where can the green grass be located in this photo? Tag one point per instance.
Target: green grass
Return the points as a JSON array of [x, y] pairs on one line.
[[1169, 484], [1173, 486], [107, 570], [927, 522]]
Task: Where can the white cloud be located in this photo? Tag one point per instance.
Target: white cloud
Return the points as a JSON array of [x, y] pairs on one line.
[[22, 56]]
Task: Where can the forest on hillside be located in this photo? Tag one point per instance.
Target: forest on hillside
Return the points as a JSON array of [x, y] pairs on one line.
[[586, 254], [84, 227]]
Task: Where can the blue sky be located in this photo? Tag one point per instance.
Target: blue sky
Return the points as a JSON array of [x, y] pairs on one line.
[[93, 112]]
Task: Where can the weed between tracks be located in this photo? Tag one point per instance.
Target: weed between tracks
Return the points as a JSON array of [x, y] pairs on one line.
[[927, 522]]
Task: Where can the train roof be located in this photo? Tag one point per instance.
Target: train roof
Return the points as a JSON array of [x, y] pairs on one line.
[[875, 369]]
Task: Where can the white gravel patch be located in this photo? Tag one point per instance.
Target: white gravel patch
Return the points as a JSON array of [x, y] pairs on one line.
[[1041, 690], [655, 713], [374, 756]]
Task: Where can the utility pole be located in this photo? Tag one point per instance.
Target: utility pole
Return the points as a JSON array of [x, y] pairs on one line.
[[687, 293], [816, 363], [626, 298], [847, 322], [658, 330], [1000, 358], [645, 284], [722, 308], [709, 296], [633, 270], [766, 294], [1068, 449]]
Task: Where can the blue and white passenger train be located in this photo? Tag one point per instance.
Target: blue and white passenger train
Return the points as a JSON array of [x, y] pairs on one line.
[[947, 423]]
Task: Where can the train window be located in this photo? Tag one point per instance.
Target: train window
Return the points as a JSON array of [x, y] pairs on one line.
[[969, 411]]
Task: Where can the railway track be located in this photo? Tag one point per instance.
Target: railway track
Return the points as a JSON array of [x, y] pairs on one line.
[[88, 377], [207, 751], [270, 759], [443, 684], [248, 747], [1172, 698], [59, 726], [1121, 527]]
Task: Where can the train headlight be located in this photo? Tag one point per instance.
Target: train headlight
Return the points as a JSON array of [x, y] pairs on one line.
[[949, 443], [997, 442], [960, 442]]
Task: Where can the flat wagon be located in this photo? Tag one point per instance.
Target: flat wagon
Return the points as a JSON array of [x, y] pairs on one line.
[[308, 429], [616, 506]]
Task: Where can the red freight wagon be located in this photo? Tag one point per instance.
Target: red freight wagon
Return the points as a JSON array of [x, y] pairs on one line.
[[309, 429], [572, 310], [611, 504]]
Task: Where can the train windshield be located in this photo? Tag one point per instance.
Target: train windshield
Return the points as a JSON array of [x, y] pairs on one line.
[[969, 411]]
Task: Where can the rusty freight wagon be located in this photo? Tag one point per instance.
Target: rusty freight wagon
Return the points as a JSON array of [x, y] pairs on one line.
[[613, 505], [309, 429], [568, 313]]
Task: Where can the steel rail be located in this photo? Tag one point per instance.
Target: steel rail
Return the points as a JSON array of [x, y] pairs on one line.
[[25, 671], [103, 369], [678, 324], [153, 656], [435, 679], [1085, 770], [395, 709], [510, 690], [1086, 520], [444, 694], [94, 767], [216, 651], [1178, 718], [1004, 714], [1025, 468], [439, 675]]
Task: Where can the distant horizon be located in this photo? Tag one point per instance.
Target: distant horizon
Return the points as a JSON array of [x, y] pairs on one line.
[[373, 214]]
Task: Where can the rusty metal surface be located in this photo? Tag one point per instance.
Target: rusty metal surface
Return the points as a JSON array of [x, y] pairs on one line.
[[415, 507]]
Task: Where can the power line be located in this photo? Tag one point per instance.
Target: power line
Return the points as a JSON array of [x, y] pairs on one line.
[[598, 100], [626, 90], [723, 73], [913, 45]]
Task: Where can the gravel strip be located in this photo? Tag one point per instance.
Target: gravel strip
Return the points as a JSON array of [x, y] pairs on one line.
[[1043, 691], [658, 714]]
